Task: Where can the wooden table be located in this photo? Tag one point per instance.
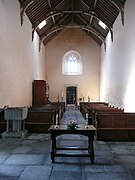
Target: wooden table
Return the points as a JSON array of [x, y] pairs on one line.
[[81, 130]]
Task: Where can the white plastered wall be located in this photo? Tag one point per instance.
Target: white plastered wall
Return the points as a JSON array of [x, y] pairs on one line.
[[20, 59], [118, 63], [88, 83]]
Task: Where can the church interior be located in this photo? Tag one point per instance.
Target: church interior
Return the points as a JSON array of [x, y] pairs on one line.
[[67, 79]]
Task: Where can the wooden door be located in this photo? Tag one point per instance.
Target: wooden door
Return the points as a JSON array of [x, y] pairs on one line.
[[39, 92], [71, 95]]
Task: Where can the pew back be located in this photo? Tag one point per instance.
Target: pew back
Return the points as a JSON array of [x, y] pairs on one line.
[[39, 120], [115, 126], [2, 121]]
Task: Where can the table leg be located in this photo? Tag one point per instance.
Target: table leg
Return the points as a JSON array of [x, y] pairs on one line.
[[52, 157], [7, 125], [91, 149], [53, 138]]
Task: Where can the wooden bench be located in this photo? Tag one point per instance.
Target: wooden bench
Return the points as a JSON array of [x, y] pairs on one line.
[[58, 107], [93, 108], [86, 106], [96, 110], [2, 121], [115, 126], [40, 118]]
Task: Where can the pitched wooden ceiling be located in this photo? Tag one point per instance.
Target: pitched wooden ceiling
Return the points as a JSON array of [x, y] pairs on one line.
[[63, 14]]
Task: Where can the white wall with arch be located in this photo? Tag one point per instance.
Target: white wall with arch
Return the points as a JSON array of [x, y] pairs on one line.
[[73, 40]]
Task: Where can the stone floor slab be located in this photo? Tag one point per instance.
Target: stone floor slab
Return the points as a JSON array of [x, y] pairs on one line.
[[35, 136], [9, 178], [21, 150], [7, 170], [66, 167], [102, 168], [64, 175], [106, 176], [36, 173], [25, 159]]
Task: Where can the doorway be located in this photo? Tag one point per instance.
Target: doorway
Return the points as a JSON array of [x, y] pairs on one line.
[[71, 95]]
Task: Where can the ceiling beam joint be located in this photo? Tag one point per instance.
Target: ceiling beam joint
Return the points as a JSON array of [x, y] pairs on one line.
[[46, 35], [91, 18]]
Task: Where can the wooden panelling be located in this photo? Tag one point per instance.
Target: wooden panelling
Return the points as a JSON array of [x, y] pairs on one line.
[[39, 92], [2, 121]]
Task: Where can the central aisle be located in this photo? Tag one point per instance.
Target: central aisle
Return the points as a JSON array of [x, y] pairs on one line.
[[72, 114]]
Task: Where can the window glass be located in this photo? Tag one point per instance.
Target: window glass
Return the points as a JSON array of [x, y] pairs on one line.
[[72, 64]]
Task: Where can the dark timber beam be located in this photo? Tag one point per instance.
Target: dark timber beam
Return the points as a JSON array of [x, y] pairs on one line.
[[61, 27], [82, 19], [98, 18], [54, 28], [49, 4], [98, 35], [94, 32], [87, 24], [23, 8], [50, 16], [76, 12], [95, 3], [46, 35], [120, 7], [51, 10], [107, 21]]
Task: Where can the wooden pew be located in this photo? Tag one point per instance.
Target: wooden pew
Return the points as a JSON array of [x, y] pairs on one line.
[[86, 106], [58, 107], [93, 108], [40, 118], [2, 121], [115, 126]]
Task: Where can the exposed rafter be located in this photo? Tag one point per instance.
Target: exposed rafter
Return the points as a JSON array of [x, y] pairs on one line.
[[93, 14], [91, 18], [23, 8], [89, 27], [49, 12], [46, 35], [63, 14], [61, 27], [49, 3], [90, 12], [96, 34], [95, 11], [98, 18], [120, 7]]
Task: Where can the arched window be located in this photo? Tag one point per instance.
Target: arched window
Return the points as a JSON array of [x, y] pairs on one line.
[[72, 63]]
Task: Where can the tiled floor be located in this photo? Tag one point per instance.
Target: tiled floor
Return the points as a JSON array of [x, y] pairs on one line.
[[29, 158]]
